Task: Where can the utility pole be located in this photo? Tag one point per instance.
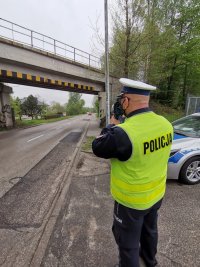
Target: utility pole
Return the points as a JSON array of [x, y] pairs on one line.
[[107, 64]]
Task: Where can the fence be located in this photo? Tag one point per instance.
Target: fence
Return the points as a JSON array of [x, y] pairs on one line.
[[192, 105], [22, 35]]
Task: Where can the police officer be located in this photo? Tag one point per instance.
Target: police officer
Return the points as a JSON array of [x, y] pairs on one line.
[[139, 150]]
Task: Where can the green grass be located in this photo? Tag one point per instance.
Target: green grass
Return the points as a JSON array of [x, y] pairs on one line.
[[2, 129], [38, 121], [169, 113], [87, 144], [173, 117]]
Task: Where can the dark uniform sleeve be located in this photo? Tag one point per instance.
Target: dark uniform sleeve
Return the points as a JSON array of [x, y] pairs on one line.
[[113, 142]]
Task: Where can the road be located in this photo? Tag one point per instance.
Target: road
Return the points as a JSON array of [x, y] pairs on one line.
[[22, 149], [35, 167], [76, 231]]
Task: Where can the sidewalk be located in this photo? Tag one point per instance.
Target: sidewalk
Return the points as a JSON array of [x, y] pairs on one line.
[[82, 236]]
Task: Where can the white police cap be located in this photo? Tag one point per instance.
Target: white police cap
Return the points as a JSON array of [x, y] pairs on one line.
[[135, 87]]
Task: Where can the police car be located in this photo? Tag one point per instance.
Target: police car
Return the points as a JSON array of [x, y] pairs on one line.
[[184, 161]]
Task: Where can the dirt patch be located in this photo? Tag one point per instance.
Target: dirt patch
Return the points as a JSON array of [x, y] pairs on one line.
[[89, 164], [80, 163]]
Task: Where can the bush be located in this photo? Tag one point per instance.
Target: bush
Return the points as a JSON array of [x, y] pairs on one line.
[[52, 116]]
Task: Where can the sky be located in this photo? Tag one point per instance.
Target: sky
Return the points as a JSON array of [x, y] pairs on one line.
[[70, 21]]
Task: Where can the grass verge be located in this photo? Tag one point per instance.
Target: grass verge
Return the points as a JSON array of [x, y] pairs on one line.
[[169, 113], [38, 122], [2, 129], [87, 144]]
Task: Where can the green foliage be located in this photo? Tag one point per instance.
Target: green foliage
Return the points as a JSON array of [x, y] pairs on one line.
[[164, 110], [54, 109], [124, 57], [31, 106], [96, 106], [75, 104], [57, 108], [158, 42], [16, 105], [87, 144], [22, 123], [52, 116]]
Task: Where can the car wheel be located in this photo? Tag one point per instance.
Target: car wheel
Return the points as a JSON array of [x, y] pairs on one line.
[[190, 171]]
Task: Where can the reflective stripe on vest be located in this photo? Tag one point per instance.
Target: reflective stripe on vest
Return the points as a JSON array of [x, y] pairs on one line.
[[140, 181]]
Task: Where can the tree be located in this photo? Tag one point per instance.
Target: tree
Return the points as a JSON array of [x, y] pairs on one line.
[[158, 42], [17, 106], [181, 63], [56, 108], [75, 104], [96, 105], [127, 38], [31, 107]]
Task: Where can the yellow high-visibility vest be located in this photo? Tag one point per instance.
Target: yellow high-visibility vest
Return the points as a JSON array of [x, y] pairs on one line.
[[140, 181]]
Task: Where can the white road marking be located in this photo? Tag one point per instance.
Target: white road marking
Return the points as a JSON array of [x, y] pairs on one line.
[[35, 138]]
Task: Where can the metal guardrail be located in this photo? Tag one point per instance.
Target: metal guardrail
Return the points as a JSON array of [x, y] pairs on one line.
[[22, 35]]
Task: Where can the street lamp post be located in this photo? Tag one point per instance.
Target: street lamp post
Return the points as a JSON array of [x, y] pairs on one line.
[[107, 64]]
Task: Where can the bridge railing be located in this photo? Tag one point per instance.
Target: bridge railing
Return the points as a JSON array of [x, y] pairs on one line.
[[20, 34]]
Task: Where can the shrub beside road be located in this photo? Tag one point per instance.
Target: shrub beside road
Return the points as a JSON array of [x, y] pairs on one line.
[[22, 123]]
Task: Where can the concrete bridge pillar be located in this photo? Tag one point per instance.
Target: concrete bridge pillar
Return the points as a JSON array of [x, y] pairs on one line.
[[6, 119], [102, 105]]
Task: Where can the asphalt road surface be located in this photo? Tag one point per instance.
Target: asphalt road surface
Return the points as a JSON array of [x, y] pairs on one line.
[[34, 168], [77, 231], [22, 149]]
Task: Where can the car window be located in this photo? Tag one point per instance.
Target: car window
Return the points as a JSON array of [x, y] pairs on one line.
[[189, 126]]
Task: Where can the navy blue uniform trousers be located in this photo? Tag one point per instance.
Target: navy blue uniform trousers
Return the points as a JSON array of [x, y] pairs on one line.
[[135, 233]]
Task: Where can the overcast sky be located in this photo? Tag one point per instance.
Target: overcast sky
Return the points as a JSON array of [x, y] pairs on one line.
[[69, 21]]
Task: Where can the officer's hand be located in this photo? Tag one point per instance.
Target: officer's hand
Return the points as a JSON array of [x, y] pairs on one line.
[[114, 121]]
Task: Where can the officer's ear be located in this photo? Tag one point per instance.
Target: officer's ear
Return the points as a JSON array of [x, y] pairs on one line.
[[126, 102]]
